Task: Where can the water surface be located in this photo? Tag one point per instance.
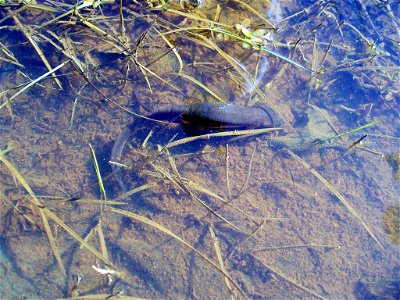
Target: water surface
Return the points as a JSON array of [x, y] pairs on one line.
[[296, 213]]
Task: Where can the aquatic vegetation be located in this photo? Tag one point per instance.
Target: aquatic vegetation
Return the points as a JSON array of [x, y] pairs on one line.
[[391, 219], [276, 187], [394, 161], [384, 288]]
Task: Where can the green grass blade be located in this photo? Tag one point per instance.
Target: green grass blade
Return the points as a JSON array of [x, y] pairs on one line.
[[348, 132], [98, 174]]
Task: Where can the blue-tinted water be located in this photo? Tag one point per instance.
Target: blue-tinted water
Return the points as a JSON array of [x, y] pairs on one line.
[[294, 213]]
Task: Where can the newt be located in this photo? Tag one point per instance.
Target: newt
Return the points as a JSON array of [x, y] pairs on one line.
[[207, 115], [199, 118]]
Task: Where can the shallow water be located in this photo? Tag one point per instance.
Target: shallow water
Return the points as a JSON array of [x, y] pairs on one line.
[[282, 232]]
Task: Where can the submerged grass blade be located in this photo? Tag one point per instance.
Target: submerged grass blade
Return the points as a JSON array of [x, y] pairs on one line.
[[33, 82], [37, 49], [71, 122], [78, 238], [218, 215], [179, 183], [173, 235], [241, 70], [337, 194], [187, 185], [254, 11], [265, 49], [284, 277], [99, 178], [248, 132], [51, 238], [220, 259], [41, 208], [195, 81], [158, 77], [256, 45], [100, 234], [96, 201], [178, 57], [194, 17], [248, 172], [135, 190], [45, 212], [311, 245], [228, 182], [9, 203], [348, 132], [103, 296], [198, 187]]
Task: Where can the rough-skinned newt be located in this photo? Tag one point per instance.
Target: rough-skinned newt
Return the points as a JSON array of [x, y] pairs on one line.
[[198, 118], [207, 115]]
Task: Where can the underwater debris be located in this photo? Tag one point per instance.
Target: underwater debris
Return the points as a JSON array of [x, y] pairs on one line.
[[391, 219], [383, 289], [191, 4], [394, 161]]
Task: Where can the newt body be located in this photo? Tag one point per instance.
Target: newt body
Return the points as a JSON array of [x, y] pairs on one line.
[[206, 115], [197, 119]]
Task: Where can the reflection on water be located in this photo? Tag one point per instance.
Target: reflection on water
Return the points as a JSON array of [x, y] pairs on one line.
[[308, 211], [274, 15]]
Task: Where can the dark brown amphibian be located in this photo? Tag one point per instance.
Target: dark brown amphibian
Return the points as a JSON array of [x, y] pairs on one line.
[[202, 117], [210, 115]]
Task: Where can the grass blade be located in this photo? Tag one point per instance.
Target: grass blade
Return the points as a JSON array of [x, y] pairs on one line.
[[337, 194], [284, 277], [41, 208], [45, 212], [348, 132], [33, 82], [37, 49], [248, 132], [173, 235], [96, 167], [220, 259], [195, 81], [78, 238]]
